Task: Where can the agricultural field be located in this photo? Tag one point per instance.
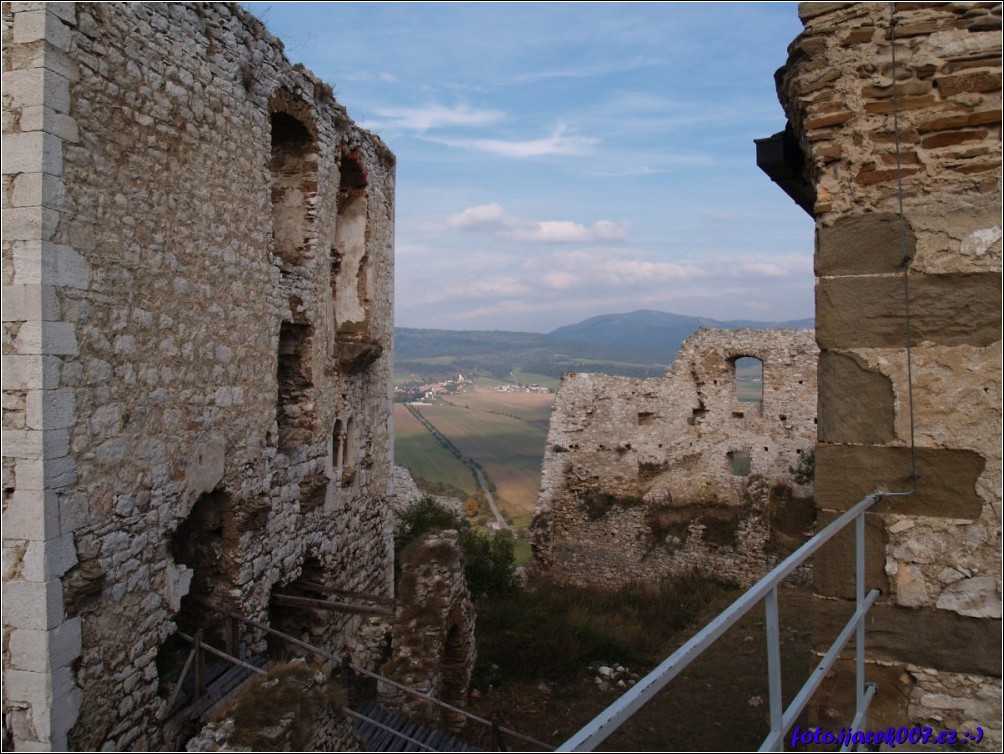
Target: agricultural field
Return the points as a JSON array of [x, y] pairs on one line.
[[504, 432], [417, 451]]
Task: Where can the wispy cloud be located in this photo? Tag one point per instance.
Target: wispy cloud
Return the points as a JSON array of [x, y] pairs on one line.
[[558, 143], [586, 71], [433, 116], [494, 219]]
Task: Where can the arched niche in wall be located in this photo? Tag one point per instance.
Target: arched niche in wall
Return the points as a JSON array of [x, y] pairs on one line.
[[350, 267], [293, 167]]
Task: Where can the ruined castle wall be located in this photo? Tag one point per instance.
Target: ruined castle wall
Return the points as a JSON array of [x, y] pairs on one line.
[[643, 478], [938, 623], [185, 413]]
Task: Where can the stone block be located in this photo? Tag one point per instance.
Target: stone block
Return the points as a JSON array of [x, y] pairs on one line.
[[862, 244], [40, 651], [833, 565], [32, 152], [868, 312], [41, 118], [926, 637], [28, 224], [30, 372], [206, 469], [29, 302], [34, 605], [52, 338], [23, 443], [26, 686], [833, 705], [50, 409], [38, 25], [856, 404], [63, 267], [60, 472], [946, 488], [50, 558], [31, 514]]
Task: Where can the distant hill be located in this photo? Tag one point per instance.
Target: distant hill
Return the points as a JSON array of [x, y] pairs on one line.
[[636, 344], [652, 335]]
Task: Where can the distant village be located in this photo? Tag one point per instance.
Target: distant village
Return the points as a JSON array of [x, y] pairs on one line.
[[412, 392]]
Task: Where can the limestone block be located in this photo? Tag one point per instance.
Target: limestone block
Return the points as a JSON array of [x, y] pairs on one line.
[[32, 152], [38, 25], [53, 338], [28, 223], [40, 651], [947, 641], [35, 372], [49, 559], [60, 125], [863, 244], [870, 417], [51, 409], [31, 514], [947, 488], [868, 312], [33, 605], [23, 443], [29, 302], [833, 565]]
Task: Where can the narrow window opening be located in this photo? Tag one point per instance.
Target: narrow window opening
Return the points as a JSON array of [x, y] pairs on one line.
[[740, 462], [294, 408], [749, 379]]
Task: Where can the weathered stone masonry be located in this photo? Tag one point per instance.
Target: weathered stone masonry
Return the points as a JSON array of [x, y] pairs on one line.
[[935, 636], [197, 272], [646, 478]]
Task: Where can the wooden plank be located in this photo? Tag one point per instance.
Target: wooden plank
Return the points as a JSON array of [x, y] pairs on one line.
[[181, 681], [336, 607], [315, 587]]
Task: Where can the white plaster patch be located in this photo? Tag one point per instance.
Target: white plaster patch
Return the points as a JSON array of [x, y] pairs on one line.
[[979, 242]]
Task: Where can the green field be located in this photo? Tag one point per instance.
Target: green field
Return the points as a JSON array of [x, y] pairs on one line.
[[417, 451], [504, 432]]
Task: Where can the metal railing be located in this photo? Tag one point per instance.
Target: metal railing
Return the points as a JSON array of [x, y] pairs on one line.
[[781, 719]]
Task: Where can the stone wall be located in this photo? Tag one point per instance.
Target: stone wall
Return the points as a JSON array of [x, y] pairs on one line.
[[433, 632], [197, 272], [936, 632], [643, 478]]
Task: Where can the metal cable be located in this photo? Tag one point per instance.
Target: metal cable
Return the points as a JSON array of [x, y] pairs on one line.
[[904, 256]]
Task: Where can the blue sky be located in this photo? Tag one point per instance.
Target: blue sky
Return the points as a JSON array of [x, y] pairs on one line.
[[560, 160]]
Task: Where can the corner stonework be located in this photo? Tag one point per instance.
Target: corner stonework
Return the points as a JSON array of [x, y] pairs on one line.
[[42, 699]]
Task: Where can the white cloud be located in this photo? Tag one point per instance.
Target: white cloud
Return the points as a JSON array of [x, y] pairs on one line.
[[558, 143], [433, 116], [489, 217], [496, 220]]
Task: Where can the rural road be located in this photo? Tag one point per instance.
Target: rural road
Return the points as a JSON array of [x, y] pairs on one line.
[[468, 462]]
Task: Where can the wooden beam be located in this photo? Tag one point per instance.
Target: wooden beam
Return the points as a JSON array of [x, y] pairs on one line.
[[219, 653], [315, 587], [290, 600]]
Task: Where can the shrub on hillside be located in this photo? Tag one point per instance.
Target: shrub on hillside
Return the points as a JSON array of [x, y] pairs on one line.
[[489, 560]]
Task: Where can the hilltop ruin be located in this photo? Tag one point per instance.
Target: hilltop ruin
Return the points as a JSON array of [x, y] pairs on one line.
[[646, 478]]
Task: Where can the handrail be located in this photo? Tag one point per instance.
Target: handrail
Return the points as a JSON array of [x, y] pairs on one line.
[[604, 724], [376, 676]]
